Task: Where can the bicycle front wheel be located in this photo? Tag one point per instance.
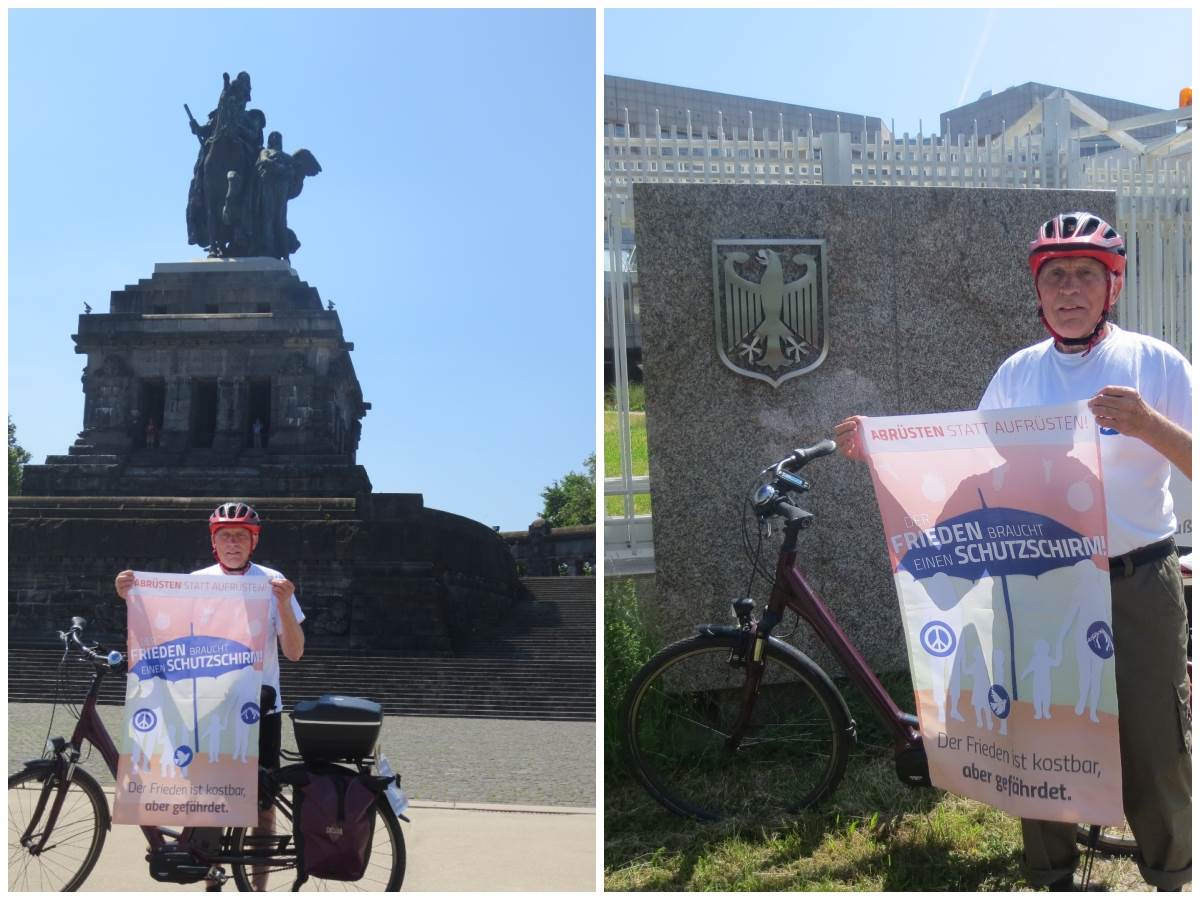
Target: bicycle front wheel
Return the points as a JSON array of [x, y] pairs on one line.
[[679, 713], [277, 871], [74, 845]]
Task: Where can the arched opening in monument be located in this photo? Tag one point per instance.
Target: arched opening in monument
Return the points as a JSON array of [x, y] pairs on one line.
[[260, 411], [152, 401], [204, 413]]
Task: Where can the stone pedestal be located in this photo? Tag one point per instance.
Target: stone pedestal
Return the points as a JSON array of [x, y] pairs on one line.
[[205, 348]]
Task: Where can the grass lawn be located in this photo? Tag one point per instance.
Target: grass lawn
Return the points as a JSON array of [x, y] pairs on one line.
[[614, 506], [873, 834]]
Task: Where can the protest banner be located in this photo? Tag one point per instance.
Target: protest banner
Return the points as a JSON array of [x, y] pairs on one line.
[[190, 739], [997, 534]]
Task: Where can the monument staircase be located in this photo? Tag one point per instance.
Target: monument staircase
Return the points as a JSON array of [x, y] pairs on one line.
[[538, 662]]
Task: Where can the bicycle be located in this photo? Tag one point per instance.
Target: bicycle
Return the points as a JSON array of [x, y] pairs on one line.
[[58, 817], [734, 722]]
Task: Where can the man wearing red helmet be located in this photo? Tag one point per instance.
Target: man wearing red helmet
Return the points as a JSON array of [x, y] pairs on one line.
[[1140, 390], [234, 529]]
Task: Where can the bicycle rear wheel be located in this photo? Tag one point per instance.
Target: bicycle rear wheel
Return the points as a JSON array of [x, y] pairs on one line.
[[678, 714], [277, 871], [74, 845], [1114, 840]]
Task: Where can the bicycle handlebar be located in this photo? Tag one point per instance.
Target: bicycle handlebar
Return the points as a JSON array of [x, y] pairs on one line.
[[112, 659], [799, 458]]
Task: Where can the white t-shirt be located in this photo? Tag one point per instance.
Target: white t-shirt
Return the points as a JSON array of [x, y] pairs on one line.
[[1140, 510], [271, 650]]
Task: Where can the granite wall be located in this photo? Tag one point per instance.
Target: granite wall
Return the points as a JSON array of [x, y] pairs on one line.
[[929, 291]]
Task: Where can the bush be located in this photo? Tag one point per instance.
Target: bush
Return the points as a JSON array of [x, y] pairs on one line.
[[627, 647]]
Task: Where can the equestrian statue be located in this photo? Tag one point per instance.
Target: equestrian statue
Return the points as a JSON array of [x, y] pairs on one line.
[[237, 201]]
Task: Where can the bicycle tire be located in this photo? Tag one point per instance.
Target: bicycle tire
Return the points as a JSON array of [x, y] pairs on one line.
[[385, 869], [1114, 840], [675, 720], [75, 843]]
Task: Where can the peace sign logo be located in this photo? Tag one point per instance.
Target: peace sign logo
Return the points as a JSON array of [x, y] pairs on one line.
[[938, 639], [144, 720]]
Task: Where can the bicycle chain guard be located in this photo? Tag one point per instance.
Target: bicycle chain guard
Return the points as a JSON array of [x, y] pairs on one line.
[[176, 866]]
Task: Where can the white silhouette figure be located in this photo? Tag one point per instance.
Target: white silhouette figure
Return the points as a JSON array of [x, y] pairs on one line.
[[166, 745], [980, 689], [143, 740], [241, 728], [944, 602], [998, 668], [1041, 665], [211, 728], [1088, 608]]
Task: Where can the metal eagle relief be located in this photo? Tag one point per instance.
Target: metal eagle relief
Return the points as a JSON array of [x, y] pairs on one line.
[[771, 299]]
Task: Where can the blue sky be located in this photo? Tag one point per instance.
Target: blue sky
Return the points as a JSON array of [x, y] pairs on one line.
[[452, 224], [910, 65]]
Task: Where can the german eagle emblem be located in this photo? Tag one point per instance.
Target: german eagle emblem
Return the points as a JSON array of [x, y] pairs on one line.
[[771, 307]]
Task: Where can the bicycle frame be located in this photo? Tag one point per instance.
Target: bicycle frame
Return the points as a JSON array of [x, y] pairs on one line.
[[91, 728], [792, 591]]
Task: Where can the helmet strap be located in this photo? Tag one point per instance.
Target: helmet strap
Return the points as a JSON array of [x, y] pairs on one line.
[[1089, 340]]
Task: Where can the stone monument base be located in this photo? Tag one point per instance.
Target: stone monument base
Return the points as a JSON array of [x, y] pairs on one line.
[[381, 574]]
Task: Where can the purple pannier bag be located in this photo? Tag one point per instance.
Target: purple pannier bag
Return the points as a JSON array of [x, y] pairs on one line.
[[335, 822]]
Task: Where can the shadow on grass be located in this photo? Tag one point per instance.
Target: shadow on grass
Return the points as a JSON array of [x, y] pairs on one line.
[[873, 833]]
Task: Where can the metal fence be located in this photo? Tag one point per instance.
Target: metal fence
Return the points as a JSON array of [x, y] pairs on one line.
[[1153, 186]]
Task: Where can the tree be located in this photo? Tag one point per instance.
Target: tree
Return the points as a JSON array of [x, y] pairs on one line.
[[572, 499], [17, 457]]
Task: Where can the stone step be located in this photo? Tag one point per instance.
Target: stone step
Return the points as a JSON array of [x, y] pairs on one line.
[[470, 687]]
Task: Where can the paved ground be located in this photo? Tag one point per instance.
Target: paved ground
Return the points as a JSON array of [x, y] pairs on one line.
[[450, 760], [448, 849], [499, 805]]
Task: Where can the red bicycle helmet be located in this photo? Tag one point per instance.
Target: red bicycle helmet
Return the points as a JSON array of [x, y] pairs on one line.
[[236, 513], [1080, 234]]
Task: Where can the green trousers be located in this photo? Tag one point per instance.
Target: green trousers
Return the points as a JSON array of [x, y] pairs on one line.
[[1150, 637]]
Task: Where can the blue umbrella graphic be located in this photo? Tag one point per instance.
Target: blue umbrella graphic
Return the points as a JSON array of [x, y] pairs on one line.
[[194, 656], [999, 541]]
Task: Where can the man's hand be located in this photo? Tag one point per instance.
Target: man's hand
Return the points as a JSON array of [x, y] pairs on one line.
[[283, 590], [848, 434], [123, 583], [291, 638], [1123, 409]]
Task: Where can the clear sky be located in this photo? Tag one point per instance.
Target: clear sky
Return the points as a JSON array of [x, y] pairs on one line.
[[452, 224], [907, 65]]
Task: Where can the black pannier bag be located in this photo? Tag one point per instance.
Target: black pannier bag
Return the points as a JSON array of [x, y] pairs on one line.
[[333, 728], [333, 820]]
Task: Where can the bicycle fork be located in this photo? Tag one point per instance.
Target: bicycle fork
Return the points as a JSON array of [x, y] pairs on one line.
[[58, 782], [753, 657]]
